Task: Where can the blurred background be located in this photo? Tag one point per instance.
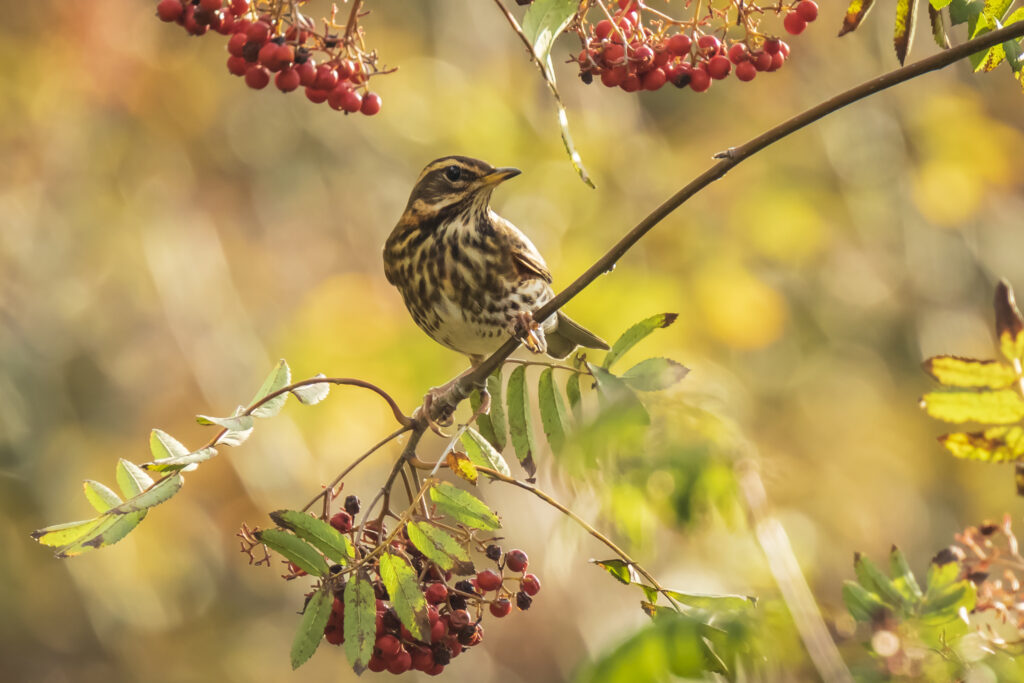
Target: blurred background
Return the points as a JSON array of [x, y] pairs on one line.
[[166, 234]]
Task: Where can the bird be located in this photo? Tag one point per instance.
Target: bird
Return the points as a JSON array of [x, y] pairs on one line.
[[469, 277]]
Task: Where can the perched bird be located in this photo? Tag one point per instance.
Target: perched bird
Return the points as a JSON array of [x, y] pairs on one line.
[[468, 276]]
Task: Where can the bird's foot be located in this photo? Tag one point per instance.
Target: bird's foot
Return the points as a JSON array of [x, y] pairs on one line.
[[528, 331], [444, 418], [485, 405]]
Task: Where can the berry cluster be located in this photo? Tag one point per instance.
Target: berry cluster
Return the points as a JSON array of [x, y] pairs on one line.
[[455, 606], [634, 47], [272, 39]]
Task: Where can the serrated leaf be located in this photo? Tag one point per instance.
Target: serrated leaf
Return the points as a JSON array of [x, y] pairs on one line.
[[482, 454], [279, 378], [492, 425], [1002, 406], [437, 545], [463, 507], [519, 426], [185, 463], [862, 603], [159, 492], [938, 24], [111, 529], [903, 31], [1009, 323], [965, 11], [311, 627], [62, 534], [654, 374], [459, 463], [996, 8], [100, 496], [618, 396], [294, 549], [902, 577], [713, 602], [874, 579], [311, 394], [572, 392], [163, 445], [360, 621], [131, 479], [635, 335], [237, 423], [954, 371], [856, 12], [552, 410], [406, 597], [324, 537], [622, 571], [994, 445]]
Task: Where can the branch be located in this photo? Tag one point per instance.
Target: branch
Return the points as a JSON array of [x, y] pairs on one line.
[[729, 159]]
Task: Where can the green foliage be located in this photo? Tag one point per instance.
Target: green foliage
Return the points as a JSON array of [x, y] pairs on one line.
[[480, 452], [403, 587], [903, 32], [333, 544], [519, 420], [311, 627], [360, 621], [294, 549], [492, 425], [463, 507], [439, 547]]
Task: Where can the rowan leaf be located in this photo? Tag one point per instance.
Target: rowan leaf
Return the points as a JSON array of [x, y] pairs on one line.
[[903, 32], [131, 479], [1009, 323], [439, 547], [520, 429], [938, 24], [406, 597], [459, 463], [360, 624], [294, 549], [636, 334], [1002, 406], [100, 496], [622, 571], [654, 374], [552, 410], [481, 453], [863, 604], [184, 463], [311, 394], [954, 371], [279, 378], [335, 545], [572, 392], [994, 445], [311, 626], [492, 425], [617, 395], [856, 12], [463, 507], [712, 601], [110, 529], [62, 534], [160, 492]]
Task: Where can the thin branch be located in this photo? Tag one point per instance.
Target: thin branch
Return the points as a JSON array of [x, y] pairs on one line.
[[729, 159], [345, 381]]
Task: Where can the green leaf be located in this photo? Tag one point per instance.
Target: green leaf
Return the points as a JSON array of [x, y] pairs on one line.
[[945, 595], [938, 23], [862, 603], [163, 445], [360, 621], [438, 546], [62, 534], [311, 394], [100, 496], [995, 444], [713, 602], [938, 4], [279, 378], [902, 577], [185, 463], [481, 453], [131, 479], [492, 425], [1003, 406], [654, 374], [406, 597], [873, 579], [311, 627], [237, 423], [110, 529], [965, 11], [636, 334], [159, 492], [996, 9], [856, 12], [294, 549], [519, 420], [324, 537], [622, 571], [954, 371], [903, 32], [552, 410], [463, 507], [572, 392], [618, 397]]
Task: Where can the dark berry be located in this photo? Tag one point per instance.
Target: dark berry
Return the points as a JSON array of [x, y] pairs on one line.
[[465, 586], [442, 655], [501, 607], [516, 560], [467, 634], [488, 580], [390, 620], [457, 602], [351, 502], [342, 521], [523, 601], [493, 552], [531, 584]]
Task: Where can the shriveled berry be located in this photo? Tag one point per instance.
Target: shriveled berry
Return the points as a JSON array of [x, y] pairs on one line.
[[679, 44], [501, 607], [342, 521], [493, 552], [465, 586], [436, 593], [370, 104], [400, 663], [256, 77], [488, 580], [169, 10], [794, 24], [719, 67], [531, 584], [390, 619], [466, 636], [286, 80], [387, 646], [457, 602], [745, 71], [441, 653], [523, 601], [516, 560], [351, 502], [459, 619], [808, 10]]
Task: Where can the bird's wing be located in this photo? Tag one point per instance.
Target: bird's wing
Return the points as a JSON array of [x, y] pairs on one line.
[[528, 261]]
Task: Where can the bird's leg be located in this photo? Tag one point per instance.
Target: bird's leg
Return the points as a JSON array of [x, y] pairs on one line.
[[485, 396], [447, 410], [528, 331]]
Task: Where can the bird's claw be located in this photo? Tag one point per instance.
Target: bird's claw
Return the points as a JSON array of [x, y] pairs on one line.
[[425, 410], [528, 331]]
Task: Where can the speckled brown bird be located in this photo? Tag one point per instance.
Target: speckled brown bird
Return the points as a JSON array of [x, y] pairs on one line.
[[468, 276]]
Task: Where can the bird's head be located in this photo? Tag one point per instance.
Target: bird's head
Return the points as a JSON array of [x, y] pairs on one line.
[[454, 184]]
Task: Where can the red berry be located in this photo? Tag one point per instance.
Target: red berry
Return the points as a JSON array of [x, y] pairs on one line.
[[237, 66], [784, 48], [316, 96], [761, 61], [306, 71], [719, 67], [169, 10], [210, 5], [223, 23], [808, 10], [531, 584], [191, 22], [268, 57], [422, 659], [387, 646], [400, 663], [286, 80], [745, 71], [644, 56], [678, 74], [654, 79], [488, 580], [438, 631], [516, 560], [285, 55], [326, 77], [613, 77], [709, 45], [236, 43], [346, 68], [602, 29], [342, 521], [777, 60], [614, 55], [737, 53], [351, 100], [794, 24], [377, 664], [662, 57], [772, 45], [256, 77], [437, 670], [501, 607], [678, 44], [259, 32], [239, 7], [334, 636], [436, 593], [623, 4], [459, 619], [631, 83], [296, 569]]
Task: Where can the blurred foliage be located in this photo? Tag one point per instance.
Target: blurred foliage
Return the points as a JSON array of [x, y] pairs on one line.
[[166, 233]]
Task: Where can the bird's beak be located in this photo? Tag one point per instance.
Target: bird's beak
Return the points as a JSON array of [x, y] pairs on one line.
[[500, 175]]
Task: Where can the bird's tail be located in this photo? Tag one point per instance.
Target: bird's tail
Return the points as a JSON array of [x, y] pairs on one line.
[[569, 334]]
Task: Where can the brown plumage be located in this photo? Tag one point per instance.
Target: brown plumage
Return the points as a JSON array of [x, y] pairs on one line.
[[468, 276]]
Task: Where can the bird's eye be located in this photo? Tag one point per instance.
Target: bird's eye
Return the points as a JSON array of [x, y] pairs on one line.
[[453, 173]]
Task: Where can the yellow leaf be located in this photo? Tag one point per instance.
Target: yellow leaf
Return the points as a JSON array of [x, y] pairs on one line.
[[462, 466], [954, 371], [1003, 406]]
